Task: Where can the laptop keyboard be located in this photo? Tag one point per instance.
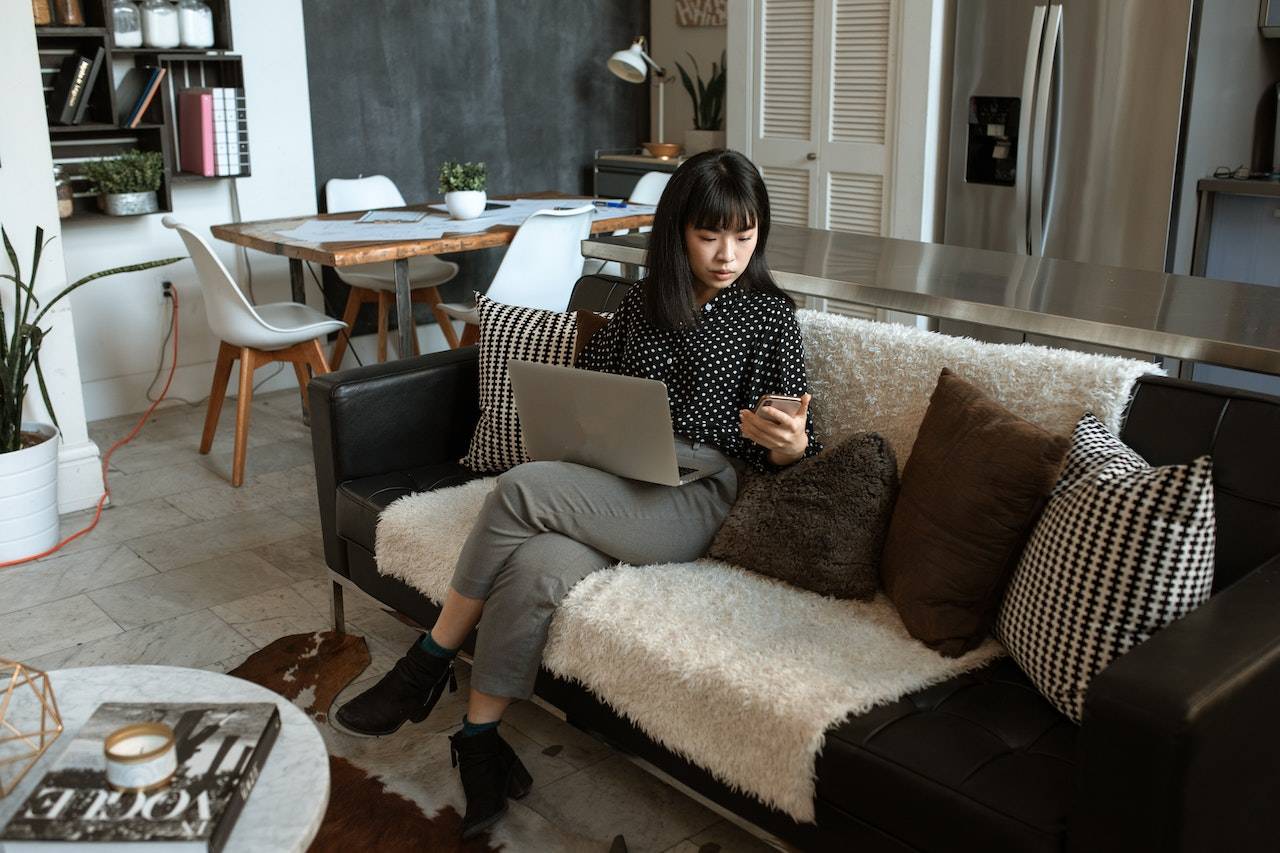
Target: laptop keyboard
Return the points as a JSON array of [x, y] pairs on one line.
[[685, 472]]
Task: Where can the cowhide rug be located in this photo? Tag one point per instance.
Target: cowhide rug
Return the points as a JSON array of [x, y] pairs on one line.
[[398, 792]]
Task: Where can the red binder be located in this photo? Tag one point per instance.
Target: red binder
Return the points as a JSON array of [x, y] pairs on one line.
[[195, 132]]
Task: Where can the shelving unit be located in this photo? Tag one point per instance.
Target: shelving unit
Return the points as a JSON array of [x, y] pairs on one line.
[[100, 135]]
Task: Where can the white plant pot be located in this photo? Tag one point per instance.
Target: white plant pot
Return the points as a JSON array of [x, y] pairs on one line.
[[697, 141], [29, 496], [465, 204]]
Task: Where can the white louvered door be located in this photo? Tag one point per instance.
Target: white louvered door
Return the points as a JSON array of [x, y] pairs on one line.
[[823, 118], [787, 106], [824, 94], [853, 162]]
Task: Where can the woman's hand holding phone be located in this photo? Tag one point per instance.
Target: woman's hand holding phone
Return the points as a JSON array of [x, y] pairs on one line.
[[779, 431]]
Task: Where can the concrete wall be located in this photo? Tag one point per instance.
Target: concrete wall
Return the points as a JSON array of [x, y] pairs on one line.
[[522, 87], [122, 322], [27, 201], [671, 43]]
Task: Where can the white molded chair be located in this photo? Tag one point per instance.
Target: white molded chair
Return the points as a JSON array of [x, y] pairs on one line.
[[540, 267], [255, 334], [376, 283], [648, 190]]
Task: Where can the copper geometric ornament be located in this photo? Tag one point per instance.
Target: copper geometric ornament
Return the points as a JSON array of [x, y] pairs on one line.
[[29, 721]]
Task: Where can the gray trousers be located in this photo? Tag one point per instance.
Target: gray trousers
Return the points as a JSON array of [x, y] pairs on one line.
[[547, 525]]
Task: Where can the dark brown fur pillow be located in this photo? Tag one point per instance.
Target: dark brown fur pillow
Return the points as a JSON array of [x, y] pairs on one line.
[[819, 524]]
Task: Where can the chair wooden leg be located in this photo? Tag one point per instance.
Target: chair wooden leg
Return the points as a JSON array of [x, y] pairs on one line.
[[315, 357], [221, 376], [470, 334], [349, 314], [431, 296], [300, 371], [384, 306], [244, 400]]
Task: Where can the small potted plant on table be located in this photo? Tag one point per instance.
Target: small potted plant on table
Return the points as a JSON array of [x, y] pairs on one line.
[[127, 184], [708, 107], [29, 449], [463, 187]]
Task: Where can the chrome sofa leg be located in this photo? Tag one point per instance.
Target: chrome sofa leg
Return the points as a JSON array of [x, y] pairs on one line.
[[339, 622]]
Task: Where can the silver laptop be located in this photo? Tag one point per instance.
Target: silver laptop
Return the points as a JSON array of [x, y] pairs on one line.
[[618, 424]]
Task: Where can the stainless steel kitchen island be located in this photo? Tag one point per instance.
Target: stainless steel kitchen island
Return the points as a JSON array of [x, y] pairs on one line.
[[1179, 316]]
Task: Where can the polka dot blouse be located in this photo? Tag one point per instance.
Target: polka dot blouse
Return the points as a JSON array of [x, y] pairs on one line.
[[745, 344]]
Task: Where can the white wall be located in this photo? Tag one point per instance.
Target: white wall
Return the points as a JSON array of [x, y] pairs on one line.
[[671, 43], [121, 323], [27, 201]]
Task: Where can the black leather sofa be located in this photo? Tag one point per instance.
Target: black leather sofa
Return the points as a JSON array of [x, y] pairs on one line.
[[1180, 747]]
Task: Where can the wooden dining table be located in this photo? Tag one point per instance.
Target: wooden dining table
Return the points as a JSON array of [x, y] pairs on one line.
[[264, 236]]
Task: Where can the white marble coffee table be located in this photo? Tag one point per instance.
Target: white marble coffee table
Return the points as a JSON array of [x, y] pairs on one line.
[[287, 805]]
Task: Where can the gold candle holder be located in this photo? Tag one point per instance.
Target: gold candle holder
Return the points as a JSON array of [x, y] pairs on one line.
[[140, 757], [29, 721]]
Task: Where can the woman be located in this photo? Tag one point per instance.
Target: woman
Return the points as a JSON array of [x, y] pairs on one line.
[[710, 322]]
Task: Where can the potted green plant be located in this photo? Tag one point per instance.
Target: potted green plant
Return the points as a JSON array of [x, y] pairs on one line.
[[708, 107], [463, 187], [29, 449], [127, 184]]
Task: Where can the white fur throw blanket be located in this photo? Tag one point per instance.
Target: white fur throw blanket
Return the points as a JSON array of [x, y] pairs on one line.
[[739, 673], [879, 376]]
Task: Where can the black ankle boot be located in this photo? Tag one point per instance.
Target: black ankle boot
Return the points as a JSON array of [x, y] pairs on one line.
[[408, 692], [491, 772]]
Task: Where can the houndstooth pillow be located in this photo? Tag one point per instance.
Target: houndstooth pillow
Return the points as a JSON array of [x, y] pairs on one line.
[[1121, 550], [507, 332]]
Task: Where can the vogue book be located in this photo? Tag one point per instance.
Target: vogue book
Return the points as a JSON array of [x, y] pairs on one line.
[[220, 750]]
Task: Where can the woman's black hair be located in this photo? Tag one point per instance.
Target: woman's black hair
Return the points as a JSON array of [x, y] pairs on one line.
[[719, 190]]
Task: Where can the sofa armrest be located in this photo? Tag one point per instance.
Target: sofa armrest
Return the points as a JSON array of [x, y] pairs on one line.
[[1179, 750], [389, 417]]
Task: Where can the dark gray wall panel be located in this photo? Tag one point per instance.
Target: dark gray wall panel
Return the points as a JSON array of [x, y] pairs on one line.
[[399, 86]]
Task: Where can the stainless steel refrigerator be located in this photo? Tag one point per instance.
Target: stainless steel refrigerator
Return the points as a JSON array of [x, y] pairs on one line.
[[1066, 126], [1079, 128]]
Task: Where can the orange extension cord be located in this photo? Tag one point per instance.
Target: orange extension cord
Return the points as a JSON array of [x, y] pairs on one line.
[[106, 459]]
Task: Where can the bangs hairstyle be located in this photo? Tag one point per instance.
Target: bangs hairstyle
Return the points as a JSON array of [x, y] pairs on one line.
[[716, 190]]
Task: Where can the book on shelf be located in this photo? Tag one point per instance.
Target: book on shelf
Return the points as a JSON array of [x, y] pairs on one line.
[[70, 90], [137, 90], [94, 68], [230, 134], [221, 749], [195, 132]]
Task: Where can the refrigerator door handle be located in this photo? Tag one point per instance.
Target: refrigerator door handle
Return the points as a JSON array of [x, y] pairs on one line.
[[1041, 181], [1020, 181]]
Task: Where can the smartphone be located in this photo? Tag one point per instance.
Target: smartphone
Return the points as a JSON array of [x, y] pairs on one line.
[[790, 405]]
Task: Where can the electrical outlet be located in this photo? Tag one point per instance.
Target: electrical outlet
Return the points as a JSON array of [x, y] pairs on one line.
[[166, 289]]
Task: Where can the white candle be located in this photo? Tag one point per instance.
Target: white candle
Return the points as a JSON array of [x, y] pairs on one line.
[[140, 757]]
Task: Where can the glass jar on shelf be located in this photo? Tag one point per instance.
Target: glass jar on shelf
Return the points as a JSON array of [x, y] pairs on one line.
[[195, 22], [42, 10], [70, 13], [126, 23], [159, 23], [66, 199]]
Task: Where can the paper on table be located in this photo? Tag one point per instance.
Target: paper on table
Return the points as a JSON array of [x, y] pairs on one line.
[[392, 216], [349, 231]]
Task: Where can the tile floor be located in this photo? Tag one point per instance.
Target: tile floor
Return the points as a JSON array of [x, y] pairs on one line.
[[184, 570]]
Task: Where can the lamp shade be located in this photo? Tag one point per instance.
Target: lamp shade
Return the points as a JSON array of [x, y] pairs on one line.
[[630, 64]]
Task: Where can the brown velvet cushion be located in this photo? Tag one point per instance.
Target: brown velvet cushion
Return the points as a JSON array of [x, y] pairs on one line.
[[818, 524], [589, 323], [977, 479]]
